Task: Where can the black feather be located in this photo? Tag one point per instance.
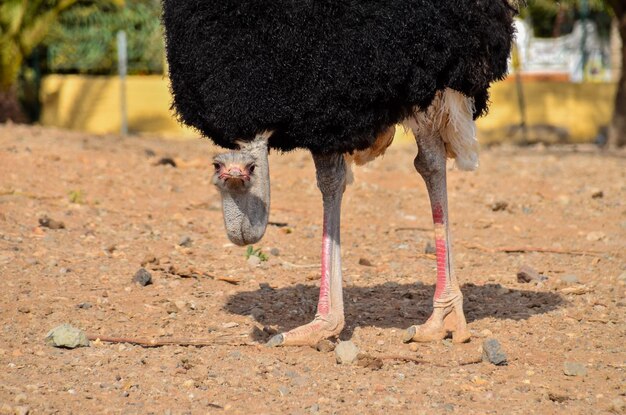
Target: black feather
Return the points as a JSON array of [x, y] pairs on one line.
[[327, 75]]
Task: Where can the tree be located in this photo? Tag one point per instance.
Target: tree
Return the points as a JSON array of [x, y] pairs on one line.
[[23, 26], [617, 129]]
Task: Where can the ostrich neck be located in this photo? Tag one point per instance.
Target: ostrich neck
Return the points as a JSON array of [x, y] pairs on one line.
[[246, 213]]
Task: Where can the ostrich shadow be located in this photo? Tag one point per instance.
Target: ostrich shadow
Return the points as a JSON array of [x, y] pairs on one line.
[[388, 305]]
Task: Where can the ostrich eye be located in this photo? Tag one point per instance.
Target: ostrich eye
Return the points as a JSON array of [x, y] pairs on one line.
[[251, 168], [217, 166]]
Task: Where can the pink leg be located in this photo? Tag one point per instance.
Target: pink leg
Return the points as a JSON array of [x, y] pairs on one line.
[[448, 301], [329, 320]]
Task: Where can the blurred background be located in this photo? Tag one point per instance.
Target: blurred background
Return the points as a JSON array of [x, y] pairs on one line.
[[99, 67]]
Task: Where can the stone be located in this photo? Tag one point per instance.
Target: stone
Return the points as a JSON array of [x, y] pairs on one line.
[[253, 261], [274, 252], [498, 206], [325, 346], [283, 390], [369, 362], [596, 236], [574, 369], [142, 277], [67, 336], [185, 241], [492, 352], [569, 279], [346, 352], [46, 222], [429, 249], [528, 274], [365, 262]]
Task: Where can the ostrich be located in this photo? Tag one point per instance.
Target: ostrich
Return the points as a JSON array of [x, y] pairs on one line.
[[335, 77]]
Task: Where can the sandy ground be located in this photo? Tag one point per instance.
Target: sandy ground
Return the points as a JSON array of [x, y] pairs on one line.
[[121, 210]]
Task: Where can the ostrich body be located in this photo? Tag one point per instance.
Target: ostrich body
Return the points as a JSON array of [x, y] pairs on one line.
[[335, 76]]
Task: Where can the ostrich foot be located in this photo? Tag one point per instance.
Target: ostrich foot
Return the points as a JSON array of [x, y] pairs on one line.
[[322, 327], [447, 317]]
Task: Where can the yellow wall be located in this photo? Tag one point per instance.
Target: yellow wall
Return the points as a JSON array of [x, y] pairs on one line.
[[92, 104]]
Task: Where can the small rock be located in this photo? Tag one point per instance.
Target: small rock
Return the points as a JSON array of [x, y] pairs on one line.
[[622, 277], [20, 398], [230, 325], [574, 369], [67, 336], [528, 274], [171, 308], [185, 241], [84, 306], [557, 397], [499, 206], [166, 161], [369, 362], [283, 390], [569, 279], [253, 261], [23, 309], [257, 313], [618, 406], [149, 259], [142, 277], [596, 236], [597, 194], [21, 410], [346, 352], [49, 223], [430, 249], [315, 408], [275, 252], [492, 352], [325, 346], [365, 262]]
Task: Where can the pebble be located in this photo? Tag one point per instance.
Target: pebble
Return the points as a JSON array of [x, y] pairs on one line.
[[369, 362], [574, 369], [49, 223], [325, 346], [569, 279], [492, 352], [257, 313], [346, 352], [365, 262], [185, 241], [597, 194], [622, 277], [253, 261], [429, 249], [618, 406], [275, 252], [21, 410], [283, 390], [528, 274], [67, 336], [499, 206], [84, 306], [230, 325], [142, 277], [596, 236]]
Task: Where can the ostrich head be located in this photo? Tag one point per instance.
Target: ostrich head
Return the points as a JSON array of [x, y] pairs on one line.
[[243, 179]]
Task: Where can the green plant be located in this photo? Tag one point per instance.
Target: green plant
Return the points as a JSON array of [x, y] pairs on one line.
[[256, 252]]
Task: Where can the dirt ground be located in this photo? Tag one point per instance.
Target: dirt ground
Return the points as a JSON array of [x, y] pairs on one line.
[[558, 210]]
